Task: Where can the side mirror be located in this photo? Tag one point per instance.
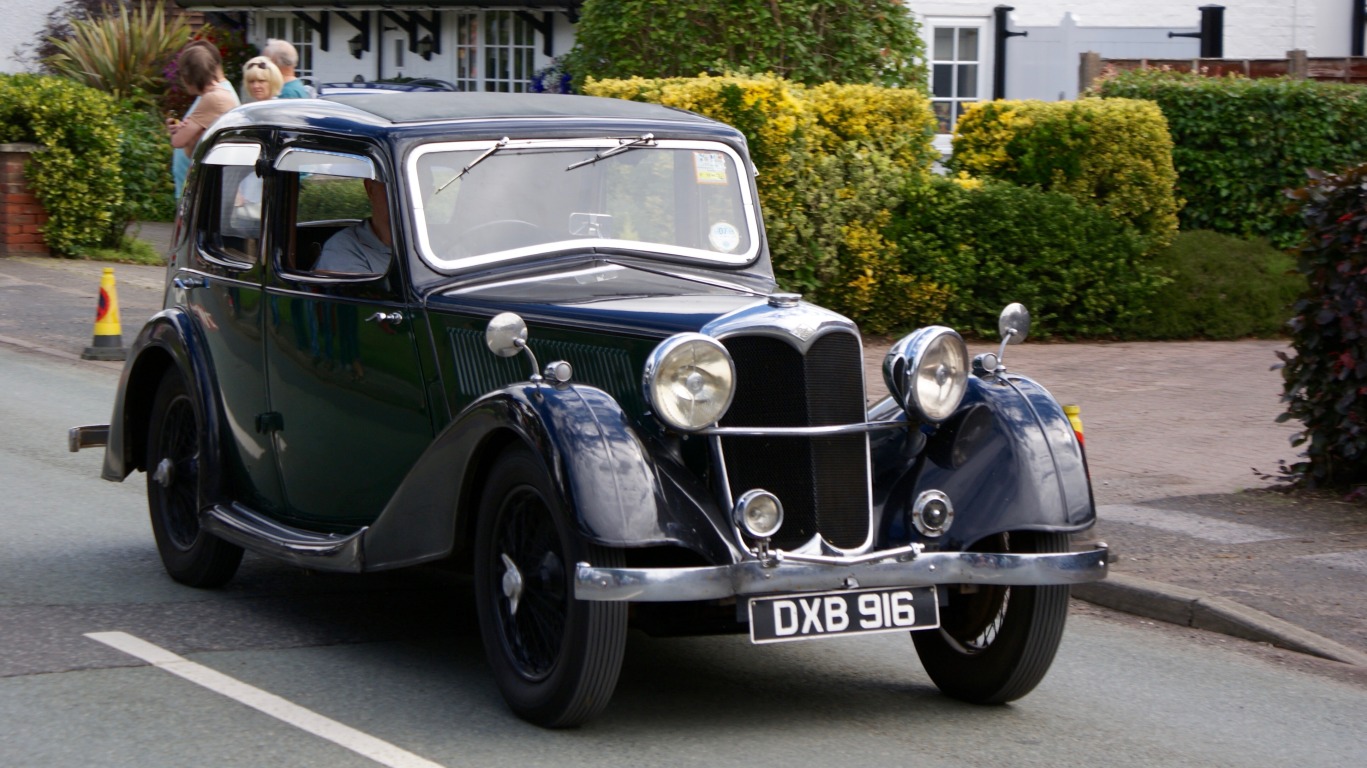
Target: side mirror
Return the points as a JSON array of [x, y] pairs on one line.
[[1014, 323], [506, 334]]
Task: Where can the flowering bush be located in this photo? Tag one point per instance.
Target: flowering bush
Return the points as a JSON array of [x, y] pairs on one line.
[[552, 79]]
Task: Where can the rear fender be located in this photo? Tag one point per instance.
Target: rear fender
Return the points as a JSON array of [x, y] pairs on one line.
[[168, 341], [621, 494]]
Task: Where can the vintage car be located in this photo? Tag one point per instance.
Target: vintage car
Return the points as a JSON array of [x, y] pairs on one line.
[[564, 365]]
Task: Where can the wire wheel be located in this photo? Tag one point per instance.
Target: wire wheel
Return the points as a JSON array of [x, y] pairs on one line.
[[996, 643], [190, 554], [555, 658]]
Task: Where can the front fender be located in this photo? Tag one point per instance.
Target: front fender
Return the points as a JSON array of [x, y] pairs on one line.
[[169, 340], [620, 493], [1008, 460]]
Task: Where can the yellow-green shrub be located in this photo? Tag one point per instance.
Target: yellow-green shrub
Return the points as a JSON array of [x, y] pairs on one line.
[[1115, 153], [832, 161], [76, 174]]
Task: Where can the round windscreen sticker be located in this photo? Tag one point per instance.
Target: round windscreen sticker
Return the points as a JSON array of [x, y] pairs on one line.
[[723, 237]]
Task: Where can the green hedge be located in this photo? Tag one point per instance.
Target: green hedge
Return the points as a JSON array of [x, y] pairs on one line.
[[76, 175], [1114, 153], [989, 243], [1238, 143], [832, 162], [1223, 287]]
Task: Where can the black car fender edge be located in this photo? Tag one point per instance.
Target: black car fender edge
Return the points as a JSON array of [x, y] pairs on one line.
[[1008, 460], [169, 339], [604, 472]]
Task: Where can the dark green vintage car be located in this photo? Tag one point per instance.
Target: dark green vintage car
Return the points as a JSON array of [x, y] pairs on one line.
[[547, 347]]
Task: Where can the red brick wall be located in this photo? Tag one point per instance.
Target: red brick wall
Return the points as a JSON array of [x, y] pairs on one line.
[[21, 215]]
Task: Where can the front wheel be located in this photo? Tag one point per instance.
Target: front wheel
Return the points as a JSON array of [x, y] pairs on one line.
[[190, 554], [555, 658], [995, 643]]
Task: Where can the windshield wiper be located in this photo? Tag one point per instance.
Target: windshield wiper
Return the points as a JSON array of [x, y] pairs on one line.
[[500, 144], [644, 141]]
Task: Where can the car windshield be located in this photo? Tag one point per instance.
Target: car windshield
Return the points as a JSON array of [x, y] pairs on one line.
[[476, 203]]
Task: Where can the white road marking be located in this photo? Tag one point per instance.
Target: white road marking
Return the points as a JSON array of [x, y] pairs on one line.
[[362, 744], [1188, 523], [1355, 561]]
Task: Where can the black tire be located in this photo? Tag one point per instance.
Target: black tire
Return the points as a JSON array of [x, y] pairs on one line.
[[190, 554], [995, 644], [555, 659]]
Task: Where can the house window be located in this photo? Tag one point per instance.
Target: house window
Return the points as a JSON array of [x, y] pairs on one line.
[[959, 66], [495, 51], [280, 27]]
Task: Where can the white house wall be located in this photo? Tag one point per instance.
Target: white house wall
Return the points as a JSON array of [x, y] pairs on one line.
[[23, 23], [1253, 28]]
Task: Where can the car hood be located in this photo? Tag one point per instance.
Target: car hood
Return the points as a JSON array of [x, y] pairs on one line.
[[607, 295]]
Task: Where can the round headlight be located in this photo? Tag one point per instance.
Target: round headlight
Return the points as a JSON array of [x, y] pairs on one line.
[[689, 381], [928, 372], [759, 513]]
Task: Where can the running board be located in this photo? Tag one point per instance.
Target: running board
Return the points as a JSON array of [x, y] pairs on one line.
[[308, 549]]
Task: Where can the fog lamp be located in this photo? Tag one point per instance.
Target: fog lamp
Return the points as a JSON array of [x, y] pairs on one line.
[[932, 513], [759, 513]]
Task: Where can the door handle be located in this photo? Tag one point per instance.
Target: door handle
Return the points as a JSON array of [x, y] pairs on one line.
[[385, 317]]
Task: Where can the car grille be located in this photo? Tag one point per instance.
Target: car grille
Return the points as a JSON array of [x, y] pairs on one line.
[[822, 481]]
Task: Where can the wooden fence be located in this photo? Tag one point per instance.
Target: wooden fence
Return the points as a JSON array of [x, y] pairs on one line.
[[1342, 69]]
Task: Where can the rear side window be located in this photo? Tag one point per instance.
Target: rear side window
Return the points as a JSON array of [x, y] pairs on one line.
[[230, 196]]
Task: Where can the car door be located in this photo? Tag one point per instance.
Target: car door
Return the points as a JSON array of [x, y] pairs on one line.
[[221, 287], [348, 402]]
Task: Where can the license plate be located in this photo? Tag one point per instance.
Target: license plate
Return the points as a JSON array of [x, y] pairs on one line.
[[785, 618]]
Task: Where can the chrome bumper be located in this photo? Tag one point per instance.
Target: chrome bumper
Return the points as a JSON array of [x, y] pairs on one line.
[[894, 568], [92, 436]]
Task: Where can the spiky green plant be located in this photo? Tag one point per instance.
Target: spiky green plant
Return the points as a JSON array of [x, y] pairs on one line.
[[121, 54]]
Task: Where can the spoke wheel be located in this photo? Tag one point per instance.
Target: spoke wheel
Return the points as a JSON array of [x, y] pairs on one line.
[[190, 554], [996, 643], [555, 659]]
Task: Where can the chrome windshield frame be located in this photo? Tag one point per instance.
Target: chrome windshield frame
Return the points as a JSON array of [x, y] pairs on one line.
[[507, 146]]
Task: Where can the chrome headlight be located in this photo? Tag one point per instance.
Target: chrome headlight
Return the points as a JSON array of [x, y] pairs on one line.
[[927, 372], [689, 381]]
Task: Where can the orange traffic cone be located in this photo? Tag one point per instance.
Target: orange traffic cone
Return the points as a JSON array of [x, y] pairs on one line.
[[108, 343]]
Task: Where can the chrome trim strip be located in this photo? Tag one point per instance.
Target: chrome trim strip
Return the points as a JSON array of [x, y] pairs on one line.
[[250, 530], [753, 577]]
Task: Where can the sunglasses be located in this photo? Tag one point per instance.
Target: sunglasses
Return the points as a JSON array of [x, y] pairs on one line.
[[256, 65]]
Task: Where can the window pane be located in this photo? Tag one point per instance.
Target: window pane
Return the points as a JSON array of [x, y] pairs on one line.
[[968, 44], [943, 115], [944, 43], [968, 80], [942, 82]]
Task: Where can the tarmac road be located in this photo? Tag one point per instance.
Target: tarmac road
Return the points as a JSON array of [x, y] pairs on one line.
[[1177, 432]]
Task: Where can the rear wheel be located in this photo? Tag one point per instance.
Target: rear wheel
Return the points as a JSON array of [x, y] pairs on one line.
[[190, 554], [555, 659], [995, 643]]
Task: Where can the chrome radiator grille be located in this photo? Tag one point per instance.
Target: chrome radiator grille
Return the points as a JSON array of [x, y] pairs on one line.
[[822, 481]]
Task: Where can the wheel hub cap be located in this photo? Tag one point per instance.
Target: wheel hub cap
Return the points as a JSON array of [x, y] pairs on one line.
[[512, 584], [165, 474]]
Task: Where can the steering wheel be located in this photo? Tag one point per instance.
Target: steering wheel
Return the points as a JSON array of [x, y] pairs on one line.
[[500, 234]]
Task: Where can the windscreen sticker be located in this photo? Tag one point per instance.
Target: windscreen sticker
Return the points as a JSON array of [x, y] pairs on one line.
[[724, 237], [710, 167]]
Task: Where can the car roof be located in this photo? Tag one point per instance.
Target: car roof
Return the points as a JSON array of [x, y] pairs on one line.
[[397, 112]]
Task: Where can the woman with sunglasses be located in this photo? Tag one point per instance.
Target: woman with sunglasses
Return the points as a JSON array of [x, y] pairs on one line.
[[261, 79]]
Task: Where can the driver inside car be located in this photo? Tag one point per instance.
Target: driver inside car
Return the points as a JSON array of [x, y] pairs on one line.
[[364, 247]]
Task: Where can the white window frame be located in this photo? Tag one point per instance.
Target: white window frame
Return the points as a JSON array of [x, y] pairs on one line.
[[494, 51], [982, 83], [300, 35]]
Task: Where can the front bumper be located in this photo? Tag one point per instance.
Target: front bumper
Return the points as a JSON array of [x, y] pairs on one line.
[[905, 567]]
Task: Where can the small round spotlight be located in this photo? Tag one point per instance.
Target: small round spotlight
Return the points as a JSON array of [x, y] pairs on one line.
[[759, 513], [932, 513]]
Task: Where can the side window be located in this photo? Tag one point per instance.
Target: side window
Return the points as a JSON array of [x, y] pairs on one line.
[[230, 194], [341, 214]]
